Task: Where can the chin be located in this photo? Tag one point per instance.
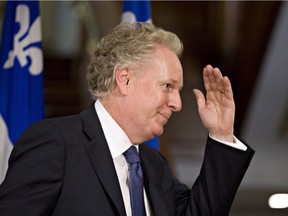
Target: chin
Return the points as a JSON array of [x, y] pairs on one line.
[[158, 132], [155, 131]]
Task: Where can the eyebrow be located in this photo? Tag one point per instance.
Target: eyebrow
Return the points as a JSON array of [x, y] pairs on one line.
[[175, 81]]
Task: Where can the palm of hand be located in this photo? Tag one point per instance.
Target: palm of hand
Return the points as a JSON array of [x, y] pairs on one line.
[[217, 110]]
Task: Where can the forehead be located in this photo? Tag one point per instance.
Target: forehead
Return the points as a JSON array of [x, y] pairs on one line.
[[165, 65]]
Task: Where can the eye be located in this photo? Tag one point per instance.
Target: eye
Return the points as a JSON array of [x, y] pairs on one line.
[[167, 85]]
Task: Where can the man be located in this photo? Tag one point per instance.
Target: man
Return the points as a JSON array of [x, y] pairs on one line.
[[77, 165]]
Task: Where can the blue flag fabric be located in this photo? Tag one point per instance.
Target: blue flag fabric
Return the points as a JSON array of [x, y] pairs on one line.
[[139, 11], [21, 73]]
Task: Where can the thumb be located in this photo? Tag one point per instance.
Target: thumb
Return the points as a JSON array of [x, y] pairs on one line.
[[199, 98]]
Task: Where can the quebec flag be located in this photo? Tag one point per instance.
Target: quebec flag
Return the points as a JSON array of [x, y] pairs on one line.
[[21, 75], [139, 11]]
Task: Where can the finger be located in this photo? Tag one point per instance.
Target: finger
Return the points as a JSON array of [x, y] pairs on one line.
[[227, 87], [206, 73], [214, 78], [219, 81], [199, 98]]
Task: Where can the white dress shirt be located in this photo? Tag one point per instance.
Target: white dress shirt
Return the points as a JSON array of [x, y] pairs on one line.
[[118, 143], [236, 143]]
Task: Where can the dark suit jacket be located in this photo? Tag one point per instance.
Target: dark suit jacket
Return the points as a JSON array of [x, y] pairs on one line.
[[63, 167]]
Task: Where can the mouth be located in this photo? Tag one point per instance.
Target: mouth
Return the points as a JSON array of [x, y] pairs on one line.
[[166, 116]]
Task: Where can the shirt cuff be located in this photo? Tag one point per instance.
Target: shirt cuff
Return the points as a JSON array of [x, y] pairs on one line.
[[236, 143]]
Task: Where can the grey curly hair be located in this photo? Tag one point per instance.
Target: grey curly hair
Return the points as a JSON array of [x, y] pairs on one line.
[[127, 45]]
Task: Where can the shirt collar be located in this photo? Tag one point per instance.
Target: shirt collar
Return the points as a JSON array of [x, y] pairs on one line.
[[117, 139]]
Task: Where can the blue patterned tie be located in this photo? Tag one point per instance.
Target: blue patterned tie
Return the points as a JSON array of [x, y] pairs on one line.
[[136, 182]]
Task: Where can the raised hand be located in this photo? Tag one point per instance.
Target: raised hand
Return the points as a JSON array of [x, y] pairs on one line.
[[217, 109]]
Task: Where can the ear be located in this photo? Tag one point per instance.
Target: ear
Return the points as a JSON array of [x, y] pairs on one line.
[[122, 78]]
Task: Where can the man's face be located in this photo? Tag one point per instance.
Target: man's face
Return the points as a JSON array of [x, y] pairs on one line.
[[154, 94]]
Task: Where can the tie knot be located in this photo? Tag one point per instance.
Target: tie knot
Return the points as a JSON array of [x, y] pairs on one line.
[[132, 155]]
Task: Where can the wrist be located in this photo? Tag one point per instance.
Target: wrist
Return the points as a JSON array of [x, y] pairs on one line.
[[223, 137]]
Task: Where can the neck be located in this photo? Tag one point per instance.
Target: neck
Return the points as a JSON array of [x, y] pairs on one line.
[[120, 113]]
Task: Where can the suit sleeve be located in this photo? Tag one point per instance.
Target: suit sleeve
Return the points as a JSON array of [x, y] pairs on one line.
[[214, 190], [34, 177]]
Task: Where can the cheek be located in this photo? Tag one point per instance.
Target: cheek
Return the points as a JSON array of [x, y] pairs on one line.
[[144, 96], [147, 99]]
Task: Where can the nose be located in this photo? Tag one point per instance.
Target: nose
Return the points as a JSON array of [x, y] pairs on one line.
[[175, 102]]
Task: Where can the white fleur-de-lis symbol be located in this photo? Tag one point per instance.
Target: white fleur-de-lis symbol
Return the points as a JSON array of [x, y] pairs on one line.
[[20, 43], [130, 17]]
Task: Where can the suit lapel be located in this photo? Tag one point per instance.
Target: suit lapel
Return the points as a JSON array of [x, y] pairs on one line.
[[100, 157], [153, 180]]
